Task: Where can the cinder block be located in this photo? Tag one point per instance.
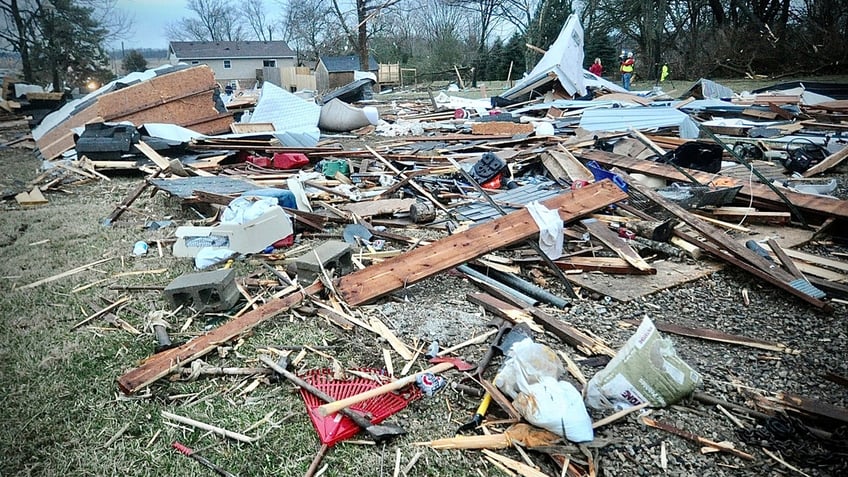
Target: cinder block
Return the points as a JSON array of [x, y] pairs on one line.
[[205, 291], [331, 254]]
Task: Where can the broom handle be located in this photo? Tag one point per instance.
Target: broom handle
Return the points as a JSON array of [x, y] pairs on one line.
[[336, 406]]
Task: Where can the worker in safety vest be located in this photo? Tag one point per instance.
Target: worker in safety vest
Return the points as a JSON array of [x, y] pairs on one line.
[[627, 70]]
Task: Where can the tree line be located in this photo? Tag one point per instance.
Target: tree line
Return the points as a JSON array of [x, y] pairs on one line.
[[62, 41]]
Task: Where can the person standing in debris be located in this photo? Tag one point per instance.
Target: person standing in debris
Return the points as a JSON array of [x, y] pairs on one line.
[[664, 72], [597, 68], [627, 70]]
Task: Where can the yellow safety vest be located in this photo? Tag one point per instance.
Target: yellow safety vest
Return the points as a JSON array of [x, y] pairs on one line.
[[626, 68]]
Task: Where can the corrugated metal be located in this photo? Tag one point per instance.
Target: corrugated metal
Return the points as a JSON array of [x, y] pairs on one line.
[[622, 119], [483, 212]]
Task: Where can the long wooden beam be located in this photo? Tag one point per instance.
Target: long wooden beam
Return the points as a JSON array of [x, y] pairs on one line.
[[393, 274], [810, 204], [159, 365]]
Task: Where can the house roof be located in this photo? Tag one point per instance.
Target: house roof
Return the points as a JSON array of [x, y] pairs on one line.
[[340, 64], [231, 49]]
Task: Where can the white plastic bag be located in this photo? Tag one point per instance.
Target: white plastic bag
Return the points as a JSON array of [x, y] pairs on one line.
[[244, 209], [645, 369], [526, 364], [558, 407]]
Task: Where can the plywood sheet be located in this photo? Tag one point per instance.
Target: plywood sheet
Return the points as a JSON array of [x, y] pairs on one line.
[[670, 274]]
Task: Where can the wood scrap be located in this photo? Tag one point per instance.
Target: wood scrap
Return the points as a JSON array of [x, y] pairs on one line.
[[713, 335], [160, 364], [31, 199], [738, 255], [696, 438], [393, 274], [617, 244], [827, 163], [64, 274]]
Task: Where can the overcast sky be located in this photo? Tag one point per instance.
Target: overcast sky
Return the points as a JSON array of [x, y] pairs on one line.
[[149, 20]]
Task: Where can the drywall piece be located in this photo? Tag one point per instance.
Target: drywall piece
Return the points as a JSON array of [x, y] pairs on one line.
[[250, 237], [295, 120], [395, 273]]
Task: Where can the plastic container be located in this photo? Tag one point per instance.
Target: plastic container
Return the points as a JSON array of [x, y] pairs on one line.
[[140, 248]]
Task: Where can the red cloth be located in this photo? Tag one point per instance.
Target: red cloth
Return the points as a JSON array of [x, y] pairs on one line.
[[596, 69]]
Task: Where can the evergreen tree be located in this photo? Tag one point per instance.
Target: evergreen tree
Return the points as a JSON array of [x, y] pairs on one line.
[[69, 50], [546, 25], [134, 61], [494, 62], [600, 45], [514, 53]]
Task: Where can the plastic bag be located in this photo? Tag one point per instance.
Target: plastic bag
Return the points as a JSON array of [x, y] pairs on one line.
[[244, 209], [526, 364], [645, 369], [558, 407]]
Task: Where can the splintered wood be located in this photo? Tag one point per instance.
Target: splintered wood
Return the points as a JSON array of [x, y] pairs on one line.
[[393, 274]]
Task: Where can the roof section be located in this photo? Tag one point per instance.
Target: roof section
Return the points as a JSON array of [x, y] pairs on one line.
[[231, 49], [339, 64]]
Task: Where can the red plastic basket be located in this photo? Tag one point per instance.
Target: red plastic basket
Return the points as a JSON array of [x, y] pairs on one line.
[[337, 427]]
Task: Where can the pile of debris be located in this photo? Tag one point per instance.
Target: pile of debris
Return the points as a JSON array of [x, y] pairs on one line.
[[537, 201]]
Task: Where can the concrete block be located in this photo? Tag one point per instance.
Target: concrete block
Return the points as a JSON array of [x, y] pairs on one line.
[[331, 254], [205, 291]]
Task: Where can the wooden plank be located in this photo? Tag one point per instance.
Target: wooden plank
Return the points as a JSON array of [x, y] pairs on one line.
[[562, 165], [243, 128], [393, 274], [378, 207], [612, 265], [150, 153], [584, 343], [827, 163], [750, 216], [817, 260], [159, 365], [737, 254], [714, 335], [808, 203], [618, 245], [813, 406]]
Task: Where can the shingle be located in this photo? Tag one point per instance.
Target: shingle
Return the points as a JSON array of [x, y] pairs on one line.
[[231, 49]]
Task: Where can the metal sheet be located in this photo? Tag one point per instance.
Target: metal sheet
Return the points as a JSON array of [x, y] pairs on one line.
[[482, 212]]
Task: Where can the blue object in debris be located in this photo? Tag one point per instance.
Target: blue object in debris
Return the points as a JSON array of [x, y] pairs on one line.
[[600, 174], [285, 198]]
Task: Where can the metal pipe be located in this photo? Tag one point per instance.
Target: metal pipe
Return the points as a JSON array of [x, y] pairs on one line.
[[539, 293], [500, 286]]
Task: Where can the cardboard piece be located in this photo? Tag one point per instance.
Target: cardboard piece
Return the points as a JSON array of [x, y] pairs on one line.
[[250, 237]]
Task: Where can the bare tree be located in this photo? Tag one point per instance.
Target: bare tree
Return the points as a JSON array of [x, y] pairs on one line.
[[363, 13], [257, 19], [217, 20]]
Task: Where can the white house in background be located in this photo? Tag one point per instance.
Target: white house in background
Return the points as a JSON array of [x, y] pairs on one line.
[[233, 62]]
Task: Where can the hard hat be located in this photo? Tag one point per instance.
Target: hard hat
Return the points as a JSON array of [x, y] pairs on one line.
[[630, 55]]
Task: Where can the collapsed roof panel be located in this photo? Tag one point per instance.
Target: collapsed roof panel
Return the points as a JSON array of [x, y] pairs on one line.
[[183, 97], [564, 59]]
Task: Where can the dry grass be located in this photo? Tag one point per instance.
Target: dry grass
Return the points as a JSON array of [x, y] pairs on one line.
[[60, 405]]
